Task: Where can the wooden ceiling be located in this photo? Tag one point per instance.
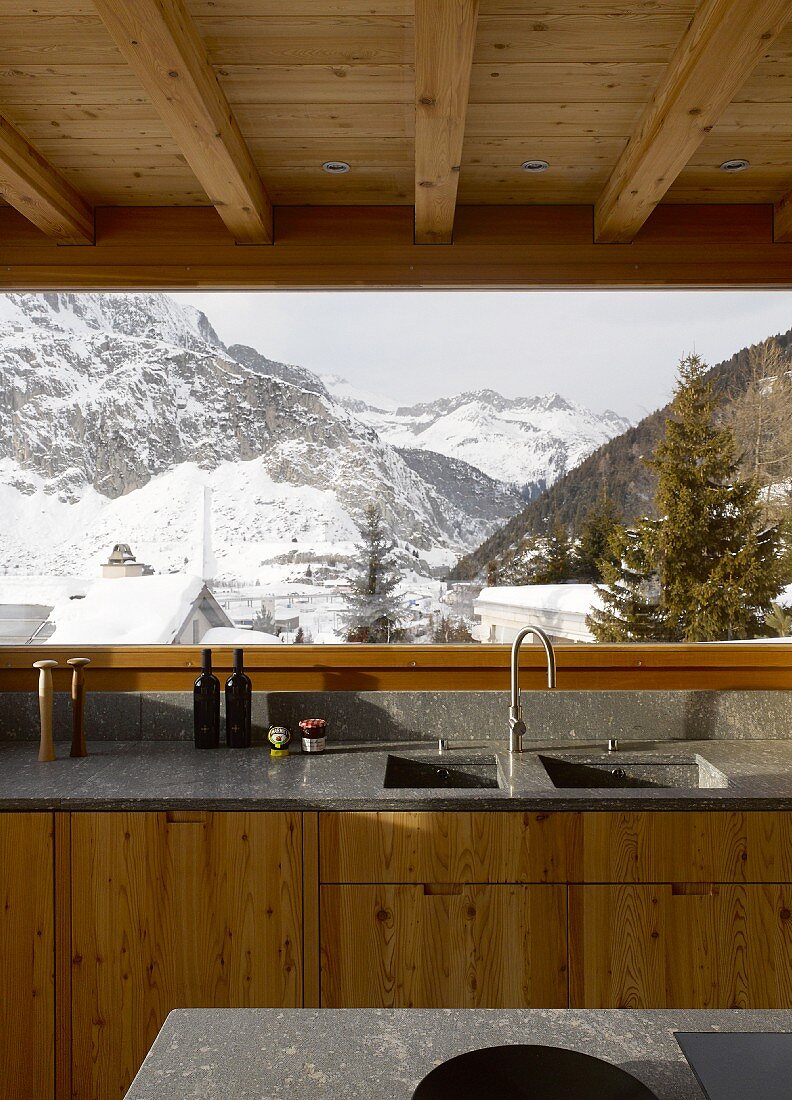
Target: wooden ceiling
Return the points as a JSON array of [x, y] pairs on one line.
[[435, 104]]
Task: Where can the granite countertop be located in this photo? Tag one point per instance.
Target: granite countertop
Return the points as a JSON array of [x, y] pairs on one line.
[[360, 1054], [152, 775]]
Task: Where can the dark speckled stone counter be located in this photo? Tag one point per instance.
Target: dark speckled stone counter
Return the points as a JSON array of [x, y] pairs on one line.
[[367, 1054], [151, 775]]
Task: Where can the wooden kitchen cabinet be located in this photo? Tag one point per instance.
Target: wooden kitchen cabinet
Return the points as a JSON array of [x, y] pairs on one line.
[[443, 945], [683, 945], [170, 910], [27, 957]]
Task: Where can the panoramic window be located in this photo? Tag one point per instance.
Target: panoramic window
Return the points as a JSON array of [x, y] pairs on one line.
[[249, 469]]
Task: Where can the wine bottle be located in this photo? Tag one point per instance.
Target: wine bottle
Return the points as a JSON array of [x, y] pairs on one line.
[[238, 695], [206, 705]]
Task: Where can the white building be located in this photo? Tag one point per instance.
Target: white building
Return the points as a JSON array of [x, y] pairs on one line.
[[560, 609]]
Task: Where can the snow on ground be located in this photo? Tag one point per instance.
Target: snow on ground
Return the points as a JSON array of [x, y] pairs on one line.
[[253, 520]]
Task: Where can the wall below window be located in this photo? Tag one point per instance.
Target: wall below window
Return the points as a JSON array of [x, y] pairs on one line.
[[565, 716]]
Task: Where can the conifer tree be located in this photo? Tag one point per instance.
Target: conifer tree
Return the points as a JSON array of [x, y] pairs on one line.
[[553, 564], [629, 594], [718, 570], [374, 609], [594, 549]]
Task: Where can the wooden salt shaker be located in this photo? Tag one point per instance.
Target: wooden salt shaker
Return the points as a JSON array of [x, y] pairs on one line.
[[78, 747], [46, 747]]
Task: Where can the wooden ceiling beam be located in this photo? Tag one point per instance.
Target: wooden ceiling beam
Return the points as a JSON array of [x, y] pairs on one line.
[[163, 48], [32, 186], [723, 43], [445, 34]]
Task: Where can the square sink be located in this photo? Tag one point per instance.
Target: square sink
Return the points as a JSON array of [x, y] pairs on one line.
[[620, 770], [457, 773]]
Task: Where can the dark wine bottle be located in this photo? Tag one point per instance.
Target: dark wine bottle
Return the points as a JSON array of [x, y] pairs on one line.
[[238, 695], [206, 705]]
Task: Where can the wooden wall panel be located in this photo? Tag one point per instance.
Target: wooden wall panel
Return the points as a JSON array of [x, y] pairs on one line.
[[176, 910], [428, 947], [680, 946], [448, 847], [27, 957]]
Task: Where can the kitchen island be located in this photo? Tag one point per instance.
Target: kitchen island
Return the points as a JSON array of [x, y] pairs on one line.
[[366, 1054]]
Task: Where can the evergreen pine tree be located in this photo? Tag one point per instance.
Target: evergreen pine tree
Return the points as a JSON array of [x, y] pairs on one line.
[[629, 593], [374, 610], [718, 570], [554, 565], [594, 549], [264, 622]]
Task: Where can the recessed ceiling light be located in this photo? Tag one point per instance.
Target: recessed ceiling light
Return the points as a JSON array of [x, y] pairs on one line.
[[738, 164], [534, 166], [335, 167]]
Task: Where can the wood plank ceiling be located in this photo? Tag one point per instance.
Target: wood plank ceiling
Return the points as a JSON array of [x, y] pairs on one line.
[[271, 89]]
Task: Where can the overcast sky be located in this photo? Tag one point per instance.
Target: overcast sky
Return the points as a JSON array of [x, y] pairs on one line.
[[615, 350]]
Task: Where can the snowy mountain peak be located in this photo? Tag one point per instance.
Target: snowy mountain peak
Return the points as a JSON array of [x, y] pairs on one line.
[[142, 316]]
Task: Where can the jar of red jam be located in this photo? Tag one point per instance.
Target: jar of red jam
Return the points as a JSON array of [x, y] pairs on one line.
[[314, 734]]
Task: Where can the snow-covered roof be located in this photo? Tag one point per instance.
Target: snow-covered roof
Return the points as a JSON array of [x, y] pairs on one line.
[[126, 611], [232, 635], [43, 590], [575, 598]]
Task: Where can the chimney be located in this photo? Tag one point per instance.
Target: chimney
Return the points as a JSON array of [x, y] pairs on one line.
[[122, 563]]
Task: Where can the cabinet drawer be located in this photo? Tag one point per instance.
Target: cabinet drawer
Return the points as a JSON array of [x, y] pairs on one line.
[[448, 847], [443, 945], [684, 945], [687, 847]]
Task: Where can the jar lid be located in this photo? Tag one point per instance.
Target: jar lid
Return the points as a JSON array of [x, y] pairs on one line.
[[312, 723]]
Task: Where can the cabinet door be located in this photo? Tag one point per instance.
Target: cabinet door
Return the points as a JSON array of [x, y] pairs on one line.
[[680, 946], [27, 957], [176, 910], [443, 946]]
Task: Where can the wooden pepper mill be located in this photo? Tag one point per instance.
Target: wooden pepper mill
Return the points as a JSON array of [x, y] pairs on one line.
[[46, 747], [78, 664]]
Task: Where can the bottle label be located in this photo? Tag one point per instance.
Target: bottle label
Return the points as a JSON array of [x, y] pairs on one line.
[[314, 744]]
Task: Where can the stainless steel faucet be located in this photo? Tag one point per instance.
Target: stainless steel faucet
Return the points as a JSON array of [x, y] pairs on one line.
[[516, 724]]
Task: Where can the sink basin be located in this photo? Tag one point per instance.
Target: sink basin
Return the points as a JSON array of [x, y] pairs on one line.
[[460, 772], [625, 769]]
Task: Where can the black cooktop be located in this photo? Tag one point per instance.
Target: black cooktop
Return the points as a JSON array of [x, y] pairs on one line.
[[740, 1065]]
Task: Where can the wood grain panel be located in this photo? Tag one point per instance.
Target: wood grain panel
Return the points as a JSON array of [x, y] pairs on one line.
[[577, 33], [358, 83], [687, 847], [327, 40], [189, 914], [27, 957], [417, 947], [720, 48], [677, 946], [449, 847]]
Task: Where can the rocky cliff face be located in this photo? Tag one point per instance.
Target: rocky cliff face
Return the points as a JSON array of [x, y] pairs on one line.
[[115, 408]]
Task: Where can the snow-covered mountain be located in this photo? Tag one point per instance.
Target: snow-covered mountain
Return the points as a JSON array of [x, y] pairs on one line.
[[527, 442], [116, 411]]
